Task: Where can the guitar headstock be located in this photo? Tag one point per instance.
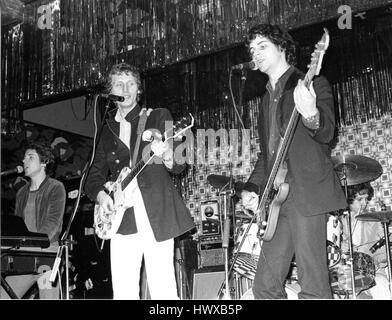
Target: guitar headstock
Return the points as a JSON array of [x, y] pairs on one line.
[[182, 125], [317, 56]]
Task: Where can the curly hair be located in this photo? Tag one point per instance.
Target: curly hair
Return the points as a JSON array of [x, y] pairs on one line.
[[44, 152], [363, 188], [123, 68], [278, 36]]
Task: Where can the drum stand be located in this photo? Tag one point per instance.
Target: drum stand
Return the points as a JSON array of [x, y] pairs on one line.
[[350, 243], [387, 248]]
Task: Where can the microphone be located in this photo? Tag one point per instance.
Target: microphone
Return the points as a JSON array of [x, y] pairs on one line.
[[18, 169], [112, 97], [245, 65], [377, 245]]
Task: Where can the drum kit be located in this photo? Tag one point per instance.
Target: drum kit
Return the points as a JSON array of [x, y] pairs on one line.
[[351, 170]]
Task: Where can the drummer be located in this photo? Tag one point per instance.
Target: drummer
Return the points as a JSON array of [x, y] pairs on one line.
[[364, 235]]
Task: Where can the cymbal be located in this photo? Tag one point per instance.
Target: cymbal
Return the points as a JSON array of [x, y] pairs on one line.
[[381, 216], [219, 182], [358, 169]]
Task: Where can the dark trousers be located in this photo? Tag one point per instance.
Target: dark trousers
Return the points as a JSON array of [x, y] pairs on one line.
[[304, 237]]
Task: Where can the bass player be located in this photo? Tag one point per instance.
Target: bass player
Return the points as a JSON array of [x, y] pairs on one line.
[[314, 188]]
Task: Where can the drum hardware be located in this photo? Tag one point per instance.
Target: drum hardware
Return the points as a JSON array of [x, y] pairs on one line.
[[221, 182], [384, 217]]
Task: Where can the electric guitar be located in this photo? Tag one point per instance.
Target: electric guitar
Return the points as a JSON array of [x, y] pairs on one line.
[[106, 223], [276, 190]]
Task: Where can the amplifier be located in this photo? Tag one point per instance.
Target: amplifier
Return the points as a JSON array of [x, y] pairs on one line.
[[208, 281], [212, 257], [210, 223]]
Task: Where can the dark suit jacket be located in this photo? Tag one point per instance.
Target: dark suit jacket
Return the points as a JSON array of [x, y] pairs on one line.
[[314, 186], [49, 206], [165, 208]]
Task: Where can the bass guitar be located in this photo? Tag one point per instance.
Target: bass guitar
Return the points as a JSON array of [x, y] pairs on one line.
[[106, 223], [276, 189]]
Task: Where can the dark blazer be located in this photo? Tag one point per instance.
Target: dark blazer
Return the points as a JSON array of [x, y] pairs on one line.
[[165, 208], [49, 206], [314, 185]]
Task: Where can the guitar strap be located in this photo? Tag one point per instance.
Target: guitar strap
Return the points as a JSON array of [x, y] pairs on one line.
[[140, 128]]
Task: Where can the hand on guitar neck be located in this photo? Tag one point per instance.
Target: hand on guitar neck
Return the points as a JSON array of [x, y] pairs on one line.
[[305, 99], [163, 150]]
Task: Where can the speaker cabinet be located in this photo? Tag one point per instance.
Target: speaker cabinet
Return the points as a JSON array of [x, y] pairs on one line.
[[207, 282]]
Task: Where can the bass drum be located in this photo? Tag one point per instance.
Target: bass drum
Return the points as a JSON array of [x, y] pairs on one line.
[[292, 290]]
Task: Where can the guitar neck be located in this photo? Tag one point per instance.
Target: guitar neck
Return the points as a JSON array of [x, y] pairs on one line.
[[308, 79], [137, 169], [134, 172], [141, 163], [281, 154]]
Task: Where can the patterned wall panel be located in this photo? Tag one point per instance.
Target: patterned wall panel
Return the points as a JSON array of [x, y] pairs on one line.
[[370, 138]]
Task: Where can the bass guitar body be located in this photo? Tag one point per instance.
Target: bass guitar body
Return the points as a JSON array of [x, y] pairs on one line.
[[277, 196]]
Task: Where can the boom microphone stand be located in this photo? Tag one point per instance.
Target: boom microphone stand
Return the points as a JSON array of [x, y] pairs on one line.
[[350, 243], [227, 194], [66, 242]]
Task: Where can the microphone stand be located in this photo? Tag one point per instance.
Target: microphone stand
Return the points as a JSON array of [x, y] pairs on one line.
[[350, 244], [226, 232], [64, 242]]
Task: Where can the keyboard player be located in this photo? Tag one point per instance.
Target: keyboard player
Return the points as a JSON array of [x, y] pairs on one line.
[[41, 201]]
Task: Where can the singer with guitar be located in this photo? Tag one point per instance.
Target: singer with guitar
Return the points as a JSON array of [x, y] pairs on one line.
[[308, 186], [154, 211]]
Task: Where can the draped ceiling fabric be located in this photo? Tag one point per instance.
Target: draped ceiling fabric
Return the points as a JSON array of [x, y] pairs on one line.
[[83, 38]]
